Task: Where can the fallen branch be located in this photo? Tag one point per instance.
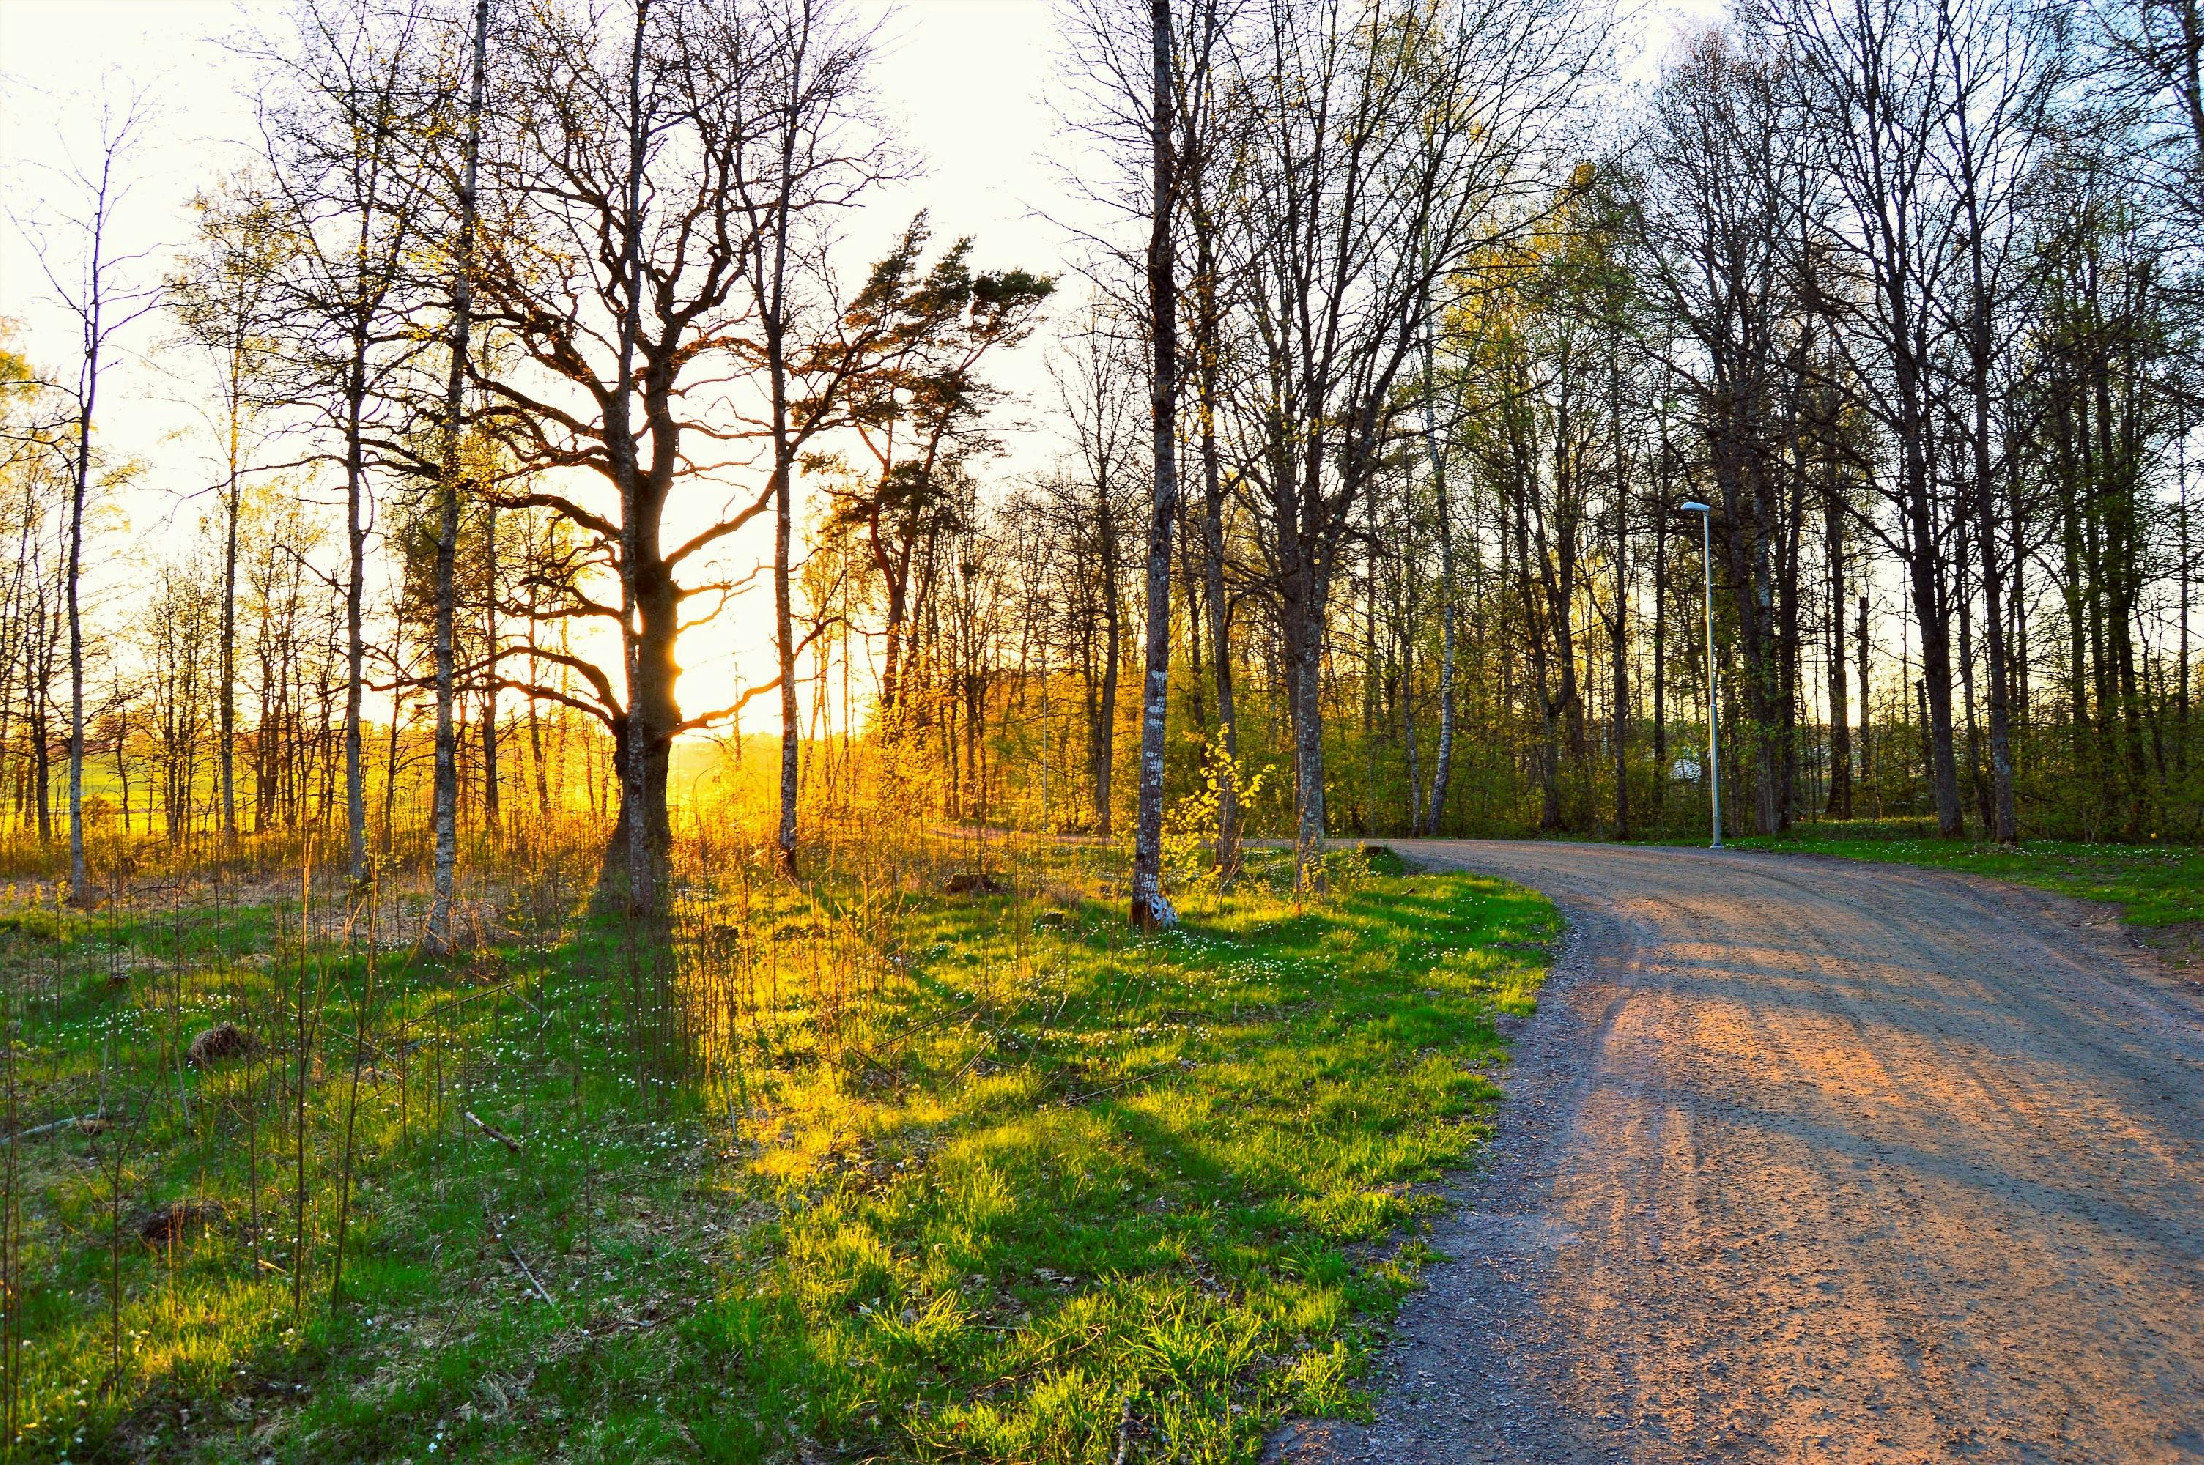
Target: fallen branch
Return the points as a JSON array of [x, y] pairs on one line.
[[494, 1132], [57, 1124], [514, 1252]]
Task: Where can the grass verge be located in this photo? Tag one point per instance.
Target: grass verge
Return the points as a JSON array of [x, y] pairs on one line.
[[2154, 885]]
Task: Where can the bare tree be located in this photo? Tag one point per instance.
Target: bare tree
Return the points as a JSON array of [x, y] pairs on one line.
[[2005, 66], [444, 802], [1722, 184], [102, 301], [1876, 78], [817, 149], [223, 300], [619, 262], [1093, 375], [1392, 143], [338, 124]]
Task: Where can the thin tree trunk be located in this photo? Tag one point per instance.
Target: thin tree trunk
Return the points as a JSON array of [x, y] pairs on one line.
[[1840, 705], [1228, 775], [1619, 692], [1442, 764], [80, 884], [784, 625], [2002, 820], [1150, 908], [228, 750], [445, 796], [491, 809], [1867, 733]]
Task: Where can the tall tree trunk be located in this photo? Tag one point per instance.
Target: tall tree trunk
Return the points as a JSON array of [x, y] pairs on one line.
[[775, 325], [1926, 588], [228, 670], [1149, 906], [444, 799], [1867, 708], [1220, 637], [491, 808], [80, 882], [1442, 765], [355, 609], [2002, 822], [1840, 702], [632, 735], [1660, 628], [1618, 632]]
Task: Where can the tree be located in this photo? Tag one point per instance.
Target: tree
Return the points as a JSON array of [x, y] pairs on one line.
[[1149, 906], [338, 124], [1391, 144], [1723, 183], [627, 319], [223, 300], [1090, 495], [2006, 72], [445, 796], [904, 375], [1875, 75], [102, 301]]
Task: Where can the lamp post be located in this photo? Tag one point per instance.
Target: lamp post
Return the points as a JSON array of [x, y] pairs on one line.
[[1714, 697]]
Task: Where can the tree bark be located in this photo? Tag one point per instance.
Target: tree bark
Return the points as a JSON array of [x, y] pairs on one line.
[[492, 794], [1840, 705], [637, 742], [1442, 762], [1150, 907], [80, 883], [444, 798]]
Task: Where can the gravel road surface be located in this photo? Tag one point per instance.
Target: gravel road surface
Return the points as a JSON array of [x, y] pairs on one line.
[[1811, 1160]]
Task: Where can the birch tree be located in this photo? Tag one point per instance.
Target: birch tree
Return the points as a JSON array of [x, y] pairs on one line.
[[93, 282], [341, 113]]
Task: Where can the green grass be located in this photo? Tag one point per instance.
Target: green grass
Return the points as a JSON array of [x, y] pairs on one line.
[[2154, 885], [1015, 1182]]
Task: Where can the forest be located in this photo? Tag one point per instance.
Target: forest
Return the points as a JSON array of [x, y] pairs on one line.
[[655, 694]]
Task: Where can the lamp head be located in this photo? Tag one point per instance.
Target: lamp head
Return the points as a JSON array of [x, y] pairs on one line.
[[1693, 506]]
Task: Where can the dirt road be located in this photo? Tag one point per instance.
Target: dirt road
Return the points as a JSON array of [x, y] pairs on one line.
[[1816, 1161]]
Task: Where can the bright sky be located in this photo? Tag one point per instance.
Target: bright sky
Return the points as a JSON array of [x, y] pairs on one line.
[[965, 78]]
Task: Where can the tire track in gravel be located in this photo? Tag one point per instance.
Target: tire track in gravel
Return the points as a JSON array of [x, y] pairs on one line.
[[1808, 1160]]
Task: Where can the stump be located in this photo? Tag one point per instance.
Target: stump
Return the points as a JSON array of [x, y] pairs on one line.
[[224, 1040]]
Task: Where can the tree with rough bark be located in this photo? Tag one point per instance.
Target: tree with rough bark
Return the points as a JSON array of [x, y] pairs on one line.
[[633, 189]]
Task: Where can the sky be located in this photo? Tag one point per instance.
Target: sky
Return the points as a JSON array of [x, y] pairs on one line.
[[964, 81]]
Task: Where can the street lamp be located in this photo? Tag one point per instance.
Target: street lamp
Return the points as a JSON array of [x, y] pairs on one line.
[[1714, 700]]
